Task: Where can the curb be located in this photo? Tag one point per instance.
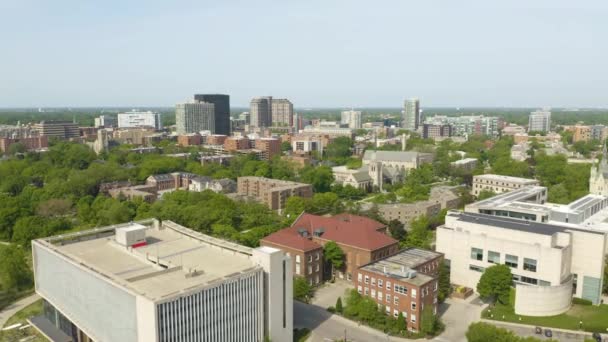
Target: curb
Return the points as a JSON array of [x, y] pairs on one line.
[[567, 331]]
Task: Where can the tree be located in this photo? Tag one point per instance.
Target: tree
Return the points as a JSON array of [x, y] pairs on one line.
[[419, 234], [339, 305], [559, 194], [484, 332], [495, 282], [302, 290], [14, 269], [16, 148], [333, 254], [397, 230], [321, 177], [429, 323], [401, 324], [605, 286], [485, 194], [444, 282]]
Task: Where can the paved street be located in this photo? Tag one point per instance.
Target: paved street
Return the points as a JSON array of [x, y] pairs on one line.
[[326, 295], [9, 311], [457, 314]]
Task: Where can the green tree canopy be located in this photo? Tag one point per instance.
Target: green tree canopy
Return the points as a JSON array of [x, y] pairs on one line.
[[14, 269], [495, 282], [333, 254]]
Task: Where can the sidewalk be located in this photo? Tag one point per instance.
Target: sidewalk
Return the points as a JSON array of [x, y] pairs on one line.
[[518, 328], [12, 309]]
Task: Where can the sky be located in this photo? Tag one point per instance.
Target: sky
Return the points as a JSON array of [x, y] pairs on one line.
[[317, 53]]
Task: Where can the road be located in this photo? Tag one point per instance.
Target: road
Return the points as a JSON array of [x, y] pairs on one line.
[[526, 331], [12, 309], [325, 326]]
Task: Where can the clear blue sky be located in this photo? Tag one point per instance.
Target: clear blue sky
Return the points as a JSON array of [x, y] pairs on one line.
[[316, 52]]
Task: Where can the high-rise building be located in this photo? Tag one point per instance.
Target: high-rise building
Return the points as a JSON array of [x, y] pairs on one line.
[[282, 112], [260, 112], [411, 114], [352, 118], [148, 281], [194, 117], [104, 121], [136, 119], [221, 111], [57, 129], [436, 131], [540, 121]]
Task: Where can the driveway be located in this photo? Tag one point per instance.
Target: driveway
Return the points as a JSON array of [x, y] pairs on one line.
[[457, 315], [12, 309], [327, 295]]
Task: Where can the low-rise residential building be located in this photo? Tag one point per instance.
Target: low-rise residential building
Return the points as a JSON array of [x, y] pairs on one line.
[[269, 147], [407, 212], [191, 139], [215, 139], [550, 262], [512, 129], [171, 181], [223, 159], [499, 183], [224, 186], [272, 192], [405, 283], [303, 144], [362, 240], [152, 281], [29, 144], [236, 143]]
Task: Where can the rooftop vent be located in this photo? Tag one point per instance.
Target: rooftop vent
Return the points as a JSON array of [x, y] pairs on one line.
[[319, 231]]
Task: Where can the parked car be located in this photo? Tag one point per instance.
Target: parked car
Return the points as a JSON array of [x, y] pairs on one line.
[[548, 333], [538, 331]]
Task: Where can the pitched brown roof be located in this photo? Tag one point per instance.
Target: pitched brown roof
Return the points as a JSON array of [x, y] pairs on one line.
[[347, 229]]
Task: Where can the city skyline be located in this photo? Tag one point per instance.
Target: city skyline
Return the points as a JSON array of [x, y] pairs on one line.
[[120, 55]]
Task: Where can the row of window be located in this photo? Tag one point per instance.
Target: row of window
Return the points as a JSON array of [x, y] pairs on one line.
[[317, 257], [516, 278], [378, 295], [510, 260], [317, 268]]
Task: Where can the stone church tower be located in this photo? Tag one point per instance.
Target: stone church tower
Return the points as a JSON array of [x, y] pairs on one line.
[[375, 172], [598, 180]]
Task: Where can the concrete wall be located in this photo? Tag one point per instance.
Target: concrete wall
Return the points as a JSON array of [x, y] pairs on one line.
[[543, 300]]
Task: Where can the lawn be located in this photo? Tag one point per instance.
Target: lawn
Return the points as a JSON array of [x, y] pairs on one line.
[[31, 310], [594, 318]]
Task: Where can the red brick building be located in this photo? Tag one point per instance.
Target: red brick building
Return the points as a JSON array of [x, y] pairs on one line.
[[32, 143], [403, 283], [269, 147], [189, 140], [236, 144], [216, 139], [362, 240]]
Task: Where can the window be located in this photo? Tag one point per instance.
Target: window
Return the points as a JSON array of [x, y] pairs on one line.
[[373, 281], [297, 258], [317, 256], [413, 293], [396, 300], [388, 298], [404, 314], [373, 293], [529, 265], [297, 268], [476, 268], [400, 289], [436, 286], [413, 306], [366, 291], [310, 258], [317, 279], [359, 277], [395, 313], [413, 318], [388, 310], [317, 268], [380, 283], [511, 260], [529, 280], [359, 289], [493, 257], [309, 269], [379, 295], [544, 283], [366, 279], [388, 285], [476, 254]]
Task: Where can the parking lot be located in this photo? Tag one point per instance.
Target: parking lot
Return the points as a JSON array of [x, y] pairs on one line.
[[327, 294]]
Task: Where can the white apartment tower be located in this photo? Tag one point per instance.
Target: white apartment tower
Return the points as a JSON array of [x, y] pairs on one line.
[[352, 118], [137, 119], [153, 282], [282, 112], [540, 121], [260, 111], [411, 114], [194, 117]]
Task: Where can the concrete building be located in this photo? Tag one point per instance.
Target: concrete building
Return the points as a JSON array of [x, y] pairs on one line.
[[332, 132], [272, 192], [133, 136], [105, 121], [499, 183], [223, 159], [138, 119], [194, 117], [282, 112], [401, 160], [404, 283], [468, 164], [539, 121], [463, 126], [431, 131], [512, 129], [582, 133], [223, 186], [260, 111], [598, 178], [550, 262], [351, 118], [57, 129], [362, 240], [171, 181], [411, 114], [221, 110], [148, 281], [304, 144]]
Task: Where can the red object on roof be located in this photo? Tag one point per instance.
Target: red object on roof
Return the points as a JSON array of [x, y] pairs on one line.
[[346, 229]]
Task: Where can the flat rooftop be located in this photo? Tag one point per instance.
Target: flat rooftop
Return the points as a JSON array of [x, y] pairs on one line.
[[401, 266], [506, 198], [515, 224], [506, 179], [187, 260]]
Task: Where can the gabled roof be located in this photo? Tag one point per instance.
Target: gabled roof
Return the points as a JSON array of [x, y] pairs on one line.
[[398, 156]]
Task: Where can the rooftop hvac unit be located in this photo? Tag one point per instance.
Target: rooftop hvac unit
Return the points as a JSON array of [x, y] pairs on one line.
[[133, 235]]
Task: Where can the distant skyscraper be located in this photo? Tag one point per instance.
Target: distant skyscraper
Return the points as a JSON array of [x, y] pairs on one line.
[[136, 119], [282, 112], [540, 121], [352, 118], [260, 112], [194, 117], [221, 111], [411, 114]]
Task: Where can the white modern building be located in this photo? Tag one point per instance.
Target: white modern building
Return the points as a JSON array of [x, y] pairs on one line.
[[105, 121], [499, 183], [540, 121], [550, 263], [135, 119], [352, 118], [156, 282], [411, 114]]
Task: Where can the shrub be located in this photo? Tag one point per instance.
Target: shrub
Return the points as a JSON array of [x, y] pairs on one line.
[[331, 309]]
